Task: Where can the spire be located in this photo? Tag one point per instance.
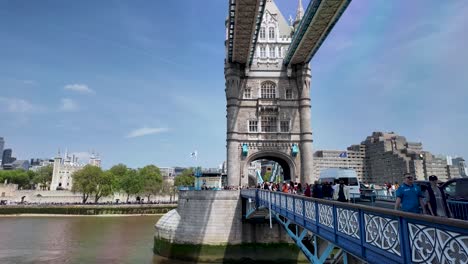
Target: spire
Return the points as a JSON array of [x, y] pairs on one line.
[[299, 14]]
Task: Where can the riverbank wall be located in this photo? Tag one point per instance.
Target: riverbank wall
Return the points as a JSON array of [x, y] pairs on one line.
[[11, 194], [207, 226], [124, 209]]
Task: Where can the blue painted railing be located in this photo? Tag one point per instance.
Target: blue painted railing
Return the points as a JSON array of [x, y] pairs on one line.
[[373, 234]]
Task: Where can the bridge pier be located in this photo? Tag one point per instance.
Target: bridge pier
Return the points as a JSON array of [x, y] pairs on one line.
[[208, 226]]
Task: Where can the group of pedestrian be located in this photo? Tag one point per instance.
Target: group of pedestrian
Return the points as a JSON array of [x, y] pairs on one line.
[[339, 191], [414, 199]]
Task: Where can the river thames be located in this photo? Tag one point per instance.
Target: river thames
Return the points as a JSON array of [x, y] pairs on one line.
[[78, 239]]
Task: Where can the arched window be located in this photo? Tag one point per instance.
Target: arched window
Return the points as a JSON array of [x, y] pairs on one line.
[[262, 33], [268, 90], [271, 33], [262, 52]]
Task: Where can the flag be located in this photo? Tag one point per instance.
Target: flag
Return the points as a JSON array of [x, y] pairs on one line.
[[194, 154], [343, 155]]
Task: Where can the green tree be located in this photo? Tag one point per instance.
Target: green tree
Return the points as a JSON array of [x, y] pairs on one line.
[[152, 180], [105, 185], [267, 176], [43, 177], [132, 183], [86, 180], [118, 171], [186, 178], [20, 177], [168, 188]]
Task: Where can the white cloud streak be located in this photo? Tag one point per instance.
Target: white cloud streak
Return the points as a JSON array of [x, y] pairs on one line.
[[15, 105], [144, 131], [79, 88], [68, 105]]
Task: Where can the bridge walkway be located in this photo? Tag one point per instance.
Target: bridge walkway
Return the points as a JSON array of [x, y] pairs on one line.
[[370, 234]]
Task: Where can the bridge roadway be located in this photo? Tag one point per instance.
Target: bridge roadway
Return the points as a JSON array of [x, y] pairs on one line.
[[371, 234]]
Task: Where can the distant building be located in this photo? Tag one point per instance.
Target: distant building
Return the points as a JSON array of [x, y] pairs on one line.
[[36, 164], [461, 165], [434, 165], [20, 164], [353, 158], [2, 146], [167, 172], [389, 156], [62, 177], [6, 157]]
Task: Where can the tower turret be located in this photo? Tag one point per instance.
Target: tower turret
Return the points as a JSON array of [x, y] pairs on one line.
[[299, 15]]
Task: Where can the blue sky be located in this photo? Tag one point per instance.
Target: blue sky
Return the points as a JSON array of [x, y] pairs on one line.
[[142, 82]]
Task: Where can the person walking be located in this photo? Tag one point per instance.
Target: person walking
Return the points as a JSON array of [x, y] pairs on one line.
[[436, 199], [307, 190], [341, 192], [317, 190], [409, 197]]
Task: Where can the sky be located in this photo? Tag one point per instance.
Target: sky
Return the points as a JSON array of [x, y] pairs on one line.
[[142, 82]]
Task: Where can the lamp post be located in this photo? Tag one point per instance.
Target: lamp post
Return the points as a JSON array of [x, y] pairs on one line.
[[198, 174]]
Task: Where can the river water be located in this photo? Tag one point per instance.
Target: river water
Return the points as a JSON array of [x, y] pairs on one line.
[[80, 239]]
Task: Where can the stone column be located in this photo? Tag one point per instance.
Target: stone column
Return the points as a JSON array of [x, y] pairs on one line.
[[302, 75], [232, 73]]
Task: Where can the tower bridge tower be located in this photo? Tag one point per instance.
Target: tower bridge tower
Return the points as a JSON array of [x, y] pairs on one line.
[[268, 105]]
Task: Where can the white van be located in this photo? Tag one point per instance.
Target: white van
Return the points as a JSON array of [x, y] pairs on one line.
[[335, 175]]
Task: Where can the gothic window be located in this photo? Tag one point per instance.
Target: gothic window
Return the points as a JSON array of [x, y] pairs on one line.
[[288, 94], [284, 126], [247, 93], [269, 124], [272, 52], [271, 33], [253, 126], [262, 52], [279, 52], [262, 33], [268, 90]]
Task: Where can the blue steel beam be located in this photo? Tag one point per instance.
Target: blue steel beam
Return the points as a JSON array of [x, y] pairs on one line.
[[318, 21]]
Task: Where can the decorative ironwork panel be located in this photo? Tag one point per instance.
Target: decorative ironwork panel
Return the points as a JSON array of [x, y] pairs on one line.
[[298, 206], [276, 201], [326, 215], [309, 210], [283, 202], [290, 203], [348, 222], [383, 233], [432, 245]]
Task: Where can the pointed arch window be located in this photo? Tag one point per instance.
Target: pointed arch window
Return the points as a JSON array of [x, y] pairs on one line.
[[268, 90], [262, 33], [271, 33]]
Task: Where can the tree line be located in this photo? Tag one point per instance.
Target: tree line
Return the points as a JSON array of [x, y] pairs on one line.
[[28, 179], [92, 181]]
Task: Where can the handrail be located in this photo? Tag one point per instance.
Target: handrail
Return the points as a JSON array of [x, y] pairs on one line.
[[373, 234]]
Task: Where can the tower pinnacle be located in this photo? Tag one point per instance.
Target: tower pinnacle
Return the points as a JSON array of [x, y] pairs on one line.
[[299, 14]]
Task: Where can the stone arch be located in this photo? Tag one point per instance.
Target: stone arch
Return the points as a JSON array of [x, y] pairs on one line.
[[284, 160]]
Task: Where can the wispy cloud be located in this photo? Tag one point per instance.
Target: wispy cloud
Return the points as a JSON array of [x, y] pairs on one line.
[[28, 82], [16, 105], [146, 131], [80, 88], [68, 105]]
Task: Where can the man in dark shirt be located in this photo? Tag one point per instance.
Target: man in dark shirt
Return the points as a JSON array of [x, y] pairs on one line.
[[409, 196]]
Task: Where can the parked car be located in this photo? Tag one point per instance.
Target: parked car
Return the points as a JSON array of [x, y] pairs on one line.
[[366, 192], [456, 193], [456, 189]]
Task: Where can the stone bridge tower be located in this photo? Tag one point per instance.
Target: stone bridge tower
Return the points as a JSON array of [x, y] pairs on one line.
[[268, 106]]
